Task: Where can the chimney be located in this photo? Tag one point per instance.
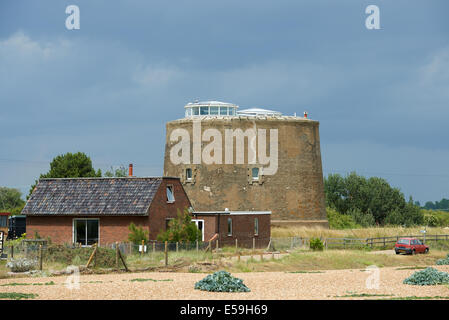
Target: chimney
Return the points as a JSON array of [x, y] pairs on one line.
[[130, 171], [305, 114]]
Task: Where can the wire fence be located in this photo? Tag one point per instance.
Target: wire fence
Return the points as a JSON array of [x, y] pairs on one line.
[[111, 255]]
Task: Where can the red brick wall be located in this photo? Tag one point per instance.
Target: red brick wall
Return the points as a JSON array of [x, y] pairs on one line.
[[160, 209], [59, 228], [242, 229]]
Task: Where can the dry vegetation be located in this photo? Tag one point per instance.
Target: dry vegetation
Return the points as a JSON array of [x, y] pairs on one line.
[[374, 232]]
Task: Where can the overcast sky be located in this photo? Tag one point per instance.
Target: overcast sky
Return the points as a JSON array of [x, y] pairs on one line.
[[107, 89]]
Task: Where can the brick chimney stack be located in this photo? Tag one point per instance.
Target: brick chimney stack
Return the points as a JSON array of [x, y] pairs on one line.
[[130, 171]]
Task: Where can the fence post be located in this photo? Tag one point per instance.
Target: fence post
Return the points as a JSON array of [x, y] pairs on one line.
[[216, 246], [143, 247], [384, 243], [254, 244], [236, 244], [95, 255], [166, 253], [130, 248], [177, 245], [12, 251], [154, 247], [197, 245], [116, 256], [40, 257], [272, 255]]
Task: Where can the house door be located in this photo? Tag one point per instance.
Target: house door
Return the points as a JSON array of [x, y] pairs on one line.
[[86, 231], [200, 226]]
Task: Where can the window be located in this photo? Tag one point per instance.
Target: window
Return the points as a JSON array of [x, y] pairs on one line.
[[256, 226], [213, 110], [255, 173], [170, 195], [404, 241], [223, 111], [189, 174], [86, 231], [195, 111], [3, 221], [229, 226], [167, 223]]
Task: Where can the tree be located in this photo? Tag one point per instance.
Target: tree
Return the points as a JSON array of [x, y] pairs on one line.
[[11, 200], [119, 172], [180, 229], [69, 165], [137, 234], [369, 201]]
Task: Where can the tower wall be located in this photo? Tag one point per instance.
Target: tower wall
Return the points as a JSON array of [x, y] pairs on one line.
[[294, 193]]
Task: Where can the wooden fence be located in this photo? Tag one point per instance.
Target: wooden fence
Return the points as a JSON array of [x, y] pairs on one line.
[[382, 242]]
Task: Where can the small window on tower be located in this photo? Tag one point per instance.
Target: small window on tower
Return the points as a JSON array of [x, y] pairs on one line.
[[255, 173], [170, 195], [189, 174]]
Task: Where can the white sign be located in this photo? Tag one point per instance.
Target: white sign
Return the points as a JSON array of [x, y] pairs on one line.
[[1, 242], [423, 231], [144, 248]]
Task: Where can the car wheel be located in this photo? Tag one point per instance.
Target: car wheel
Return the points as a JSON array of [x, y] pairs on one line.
[[427, 250], [397, 252], [413, 252]]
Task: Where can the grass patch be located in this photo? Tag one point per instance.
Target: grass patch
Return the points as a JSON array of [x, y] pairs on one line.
[[14, 284], [17, 296], [307, 261], [410, 268], [420, 298], [303, 271], [148, 279], [361, 295]]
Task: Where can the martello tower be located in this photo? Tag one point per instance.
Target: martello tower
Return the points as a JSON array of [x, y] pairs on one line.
[[253, 159]]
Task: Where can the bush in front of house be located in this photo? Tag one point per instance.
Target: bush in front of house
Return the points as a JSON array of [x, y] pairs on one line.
[[316, 244], [221, 281], [66, 255], [21, 265], [444, 261], [428, 277]]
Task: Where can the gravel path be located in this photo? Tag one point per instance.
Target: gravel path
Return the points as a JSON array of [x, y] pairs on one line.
[[264, 285]]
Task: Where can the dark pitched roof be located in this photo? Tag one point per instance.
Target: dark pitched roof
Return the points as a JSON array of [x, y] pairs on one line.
[[92, 196]]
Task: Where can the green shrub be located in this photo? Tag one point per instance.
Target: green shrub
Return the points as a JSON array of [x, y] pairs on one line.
[[428, 277], [221, 281], [137, 234], [316, 244], [443, 261], [340, 221], [62, 254], [180, 229]]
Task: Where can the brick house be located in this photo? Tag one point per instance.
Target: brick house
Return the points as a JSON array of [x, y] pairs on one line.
[[91, 210], [229, 226]]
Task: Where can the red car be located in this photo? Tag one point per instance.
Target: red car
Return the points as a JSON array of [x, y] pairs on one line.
[[410, 246]]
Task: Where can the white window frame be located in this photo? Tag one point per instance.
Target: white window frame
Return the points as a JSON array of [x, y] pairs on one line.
[[196, 223], [172, 192], [73, 229], [258, 174], [191, 174]]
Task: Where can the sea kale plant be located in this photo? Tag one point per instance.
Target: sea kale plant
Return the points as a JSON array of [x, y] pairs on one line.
[[444, 261], [221, 281], [21, 265], [428, 277]]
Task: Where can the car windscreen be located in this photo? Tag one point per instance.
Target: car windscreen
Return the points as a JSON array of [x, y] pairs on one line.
[[403, 241]]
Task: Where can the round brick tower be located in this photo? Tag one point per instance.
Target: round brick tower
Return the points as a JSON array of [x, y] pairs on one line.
[[254, 159]]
